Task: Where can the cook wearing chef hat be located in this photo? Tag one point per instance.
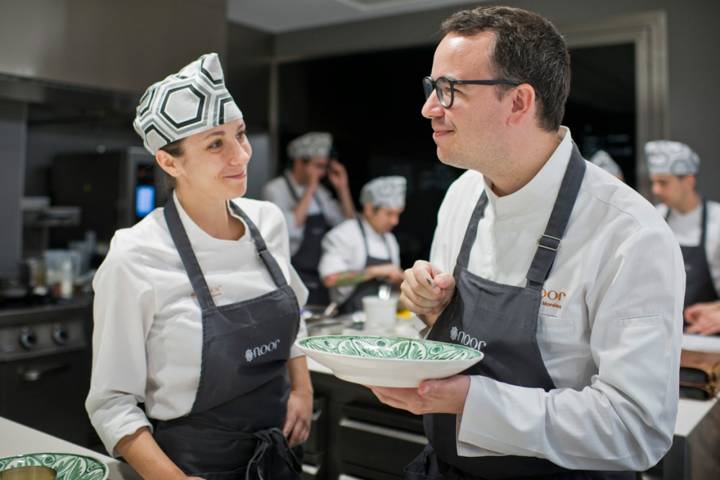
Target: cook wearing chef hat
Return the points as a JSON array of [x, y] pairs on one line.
[[310, 209], [196, 306], [361, 254], [673, 168], [603, 160]]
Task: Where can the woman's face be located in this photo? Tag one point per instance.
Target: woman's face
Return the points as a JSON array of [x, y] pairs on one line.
[[214, 162]]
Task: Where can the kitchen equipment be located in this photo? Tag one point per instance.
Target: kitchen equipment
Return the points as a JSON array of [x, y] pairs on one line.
[[67, 466], [388, 361], [45, 362], [379, 313], [28, 473], [114, 189]]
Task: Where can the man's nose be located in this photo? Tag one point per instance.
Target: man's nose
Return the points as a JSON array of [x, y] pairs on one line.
[[432, 108]]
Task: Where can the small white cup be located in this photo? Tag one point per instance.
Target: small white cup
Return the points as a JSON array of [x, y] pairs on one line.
[[379, 313]]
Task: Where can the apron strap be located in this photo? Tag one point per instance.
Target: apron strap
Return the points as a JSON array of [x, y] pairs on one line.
[[471, 232], [365, 242], [549, 242], [267, 439], [295, 196], [261, 247], [187, 255], [703, 221], [703, 224]]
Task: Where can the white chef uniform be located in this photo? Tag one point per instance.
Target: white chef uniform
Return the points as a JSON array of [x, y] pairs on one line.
[[344, 251], [276, 191], [609, 327], [687, 228], [148, 327]]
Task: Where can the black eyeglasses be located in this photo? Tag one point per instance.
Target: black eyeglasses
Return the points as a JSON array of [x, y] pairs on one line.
[[445, 87]]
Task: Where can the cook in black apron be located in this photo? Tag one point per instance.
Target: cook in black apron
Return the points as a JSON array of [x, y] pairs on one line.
[[233, 430], [307, 258], [369, 287], [505, 317], [699, 285]]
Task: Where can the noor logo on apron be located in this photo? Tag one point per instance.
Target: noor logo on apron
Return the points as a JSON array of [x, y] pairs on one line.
[[457, 335], [258, 351]]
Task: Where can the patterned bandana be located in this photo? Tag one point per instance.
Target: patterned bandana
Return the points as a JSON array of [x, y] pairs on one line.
[[674, 158], [603, 160], [191, 101], [387, 192], [310, 145]]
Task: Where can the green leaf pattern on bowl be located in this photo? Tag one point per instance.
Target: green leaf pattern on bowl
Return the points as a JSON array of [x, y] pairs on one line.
[[68, 467], [389, 347]]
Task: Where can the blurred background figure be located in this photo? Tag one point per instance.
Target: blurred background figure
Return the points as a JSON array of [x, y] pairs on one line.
[[603, 160], [361, 254], [673, 168], [310, 209]]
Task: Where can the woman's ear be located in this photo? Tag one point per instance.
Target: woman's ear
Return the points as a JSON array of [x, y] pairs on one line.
[[523, 103], [168, 163]]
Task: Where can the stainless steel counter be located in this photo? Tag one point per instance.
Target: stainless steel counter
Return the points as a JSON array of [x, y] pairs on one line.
[[16, 439]]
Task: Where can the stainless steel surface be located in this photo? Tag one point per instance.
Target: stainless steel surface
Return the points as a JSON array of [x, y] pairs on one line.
[[383, 431]]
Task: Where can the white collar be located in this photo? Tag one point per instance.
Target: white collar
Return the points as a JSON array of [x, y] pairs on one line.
[[540, 192], [197, 235]]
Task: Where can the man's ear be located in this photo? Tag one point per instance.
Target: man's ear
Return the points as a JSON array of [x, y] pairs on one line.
[[522, 100], [168, 163]]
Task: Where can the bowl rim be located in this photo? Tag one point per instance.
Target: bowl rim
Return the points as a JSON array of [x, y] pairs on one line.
[[64, 454], [480, 354]]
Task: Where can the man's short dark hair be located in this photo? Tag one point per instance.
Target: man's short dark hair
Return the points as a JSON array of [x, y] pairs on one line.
[[528, 49]]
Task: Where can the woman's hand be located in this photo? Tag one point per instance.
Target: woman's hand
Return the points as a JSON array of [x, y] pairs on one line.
[[299, 416], [337, 174]]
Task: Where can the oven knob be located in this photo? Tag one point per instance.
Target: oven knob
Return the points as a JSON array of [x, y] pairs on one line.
[[28, 340], [60, 335]]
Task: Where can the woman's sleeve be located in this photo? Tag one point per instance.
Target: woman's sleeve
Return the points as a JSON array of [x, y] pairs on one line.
[[123, 311]]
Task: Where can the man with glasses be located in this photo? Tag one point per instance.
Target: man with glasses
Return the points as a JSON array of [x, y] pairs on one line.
[[310, 209], [571, 280]]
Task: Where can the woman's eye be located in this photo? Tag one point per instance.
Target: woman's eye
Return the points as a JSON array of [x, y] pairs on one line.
[[241, 135], [216, 144]]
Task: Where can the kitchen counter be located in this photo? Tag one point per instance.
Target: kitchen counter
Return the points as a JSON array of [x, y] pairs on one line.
[[16, 439]]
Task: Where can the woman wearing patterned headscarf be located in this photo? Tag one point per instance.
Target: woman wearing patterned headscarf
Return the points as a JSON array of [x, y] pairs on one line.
[[197, 306]]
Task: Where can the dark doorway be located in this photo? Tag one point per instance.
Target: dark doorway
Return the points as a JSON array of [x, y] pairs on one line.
[[601, 109], [371, 104]]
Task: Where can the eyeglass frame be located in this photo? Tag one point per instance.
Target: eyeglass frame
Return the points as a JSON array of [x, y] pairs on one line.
[[453, 82]]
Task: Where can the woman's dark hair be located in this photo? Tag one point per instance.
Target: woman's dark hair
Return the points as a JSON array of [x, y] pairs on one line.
[[528, 49]]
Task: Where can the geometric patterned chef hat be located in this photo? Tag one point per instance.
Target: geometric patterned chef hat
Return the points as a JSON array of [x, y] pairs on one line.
[[386, 192], [674, 158], [191, 101], [603, 160], [310, 145]]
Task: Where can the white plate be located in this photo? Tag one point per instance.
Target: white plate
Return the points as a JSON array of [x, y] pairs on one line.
[[388, 361], [67, 465]]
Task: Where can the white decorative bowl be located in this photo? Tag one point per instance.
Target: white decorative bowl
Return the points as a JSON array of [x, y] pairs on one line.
[[68, 466], [388, 361]]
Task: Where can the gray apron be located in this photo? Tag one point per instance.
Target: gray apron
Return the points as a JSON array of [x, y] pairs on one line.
[[699, 285], [505, 318], [369, 287], [233, 429], [307, 258]]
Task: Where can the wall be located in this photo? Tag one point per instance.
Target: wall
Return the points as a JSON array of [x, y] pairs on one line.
[[694, 64], [107, 44], [13, 117]]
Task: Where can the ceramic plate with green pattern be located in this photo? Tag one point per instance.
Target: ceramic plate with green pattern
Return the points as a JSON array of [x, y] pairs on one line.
[[388, 361], [67, 466]]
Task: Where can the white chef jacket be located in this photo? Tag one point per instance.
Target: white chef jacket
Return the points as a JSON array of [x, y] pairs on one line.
[[276, 191], [344, 251], [147, 339], [609, 327], [688, 230]]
